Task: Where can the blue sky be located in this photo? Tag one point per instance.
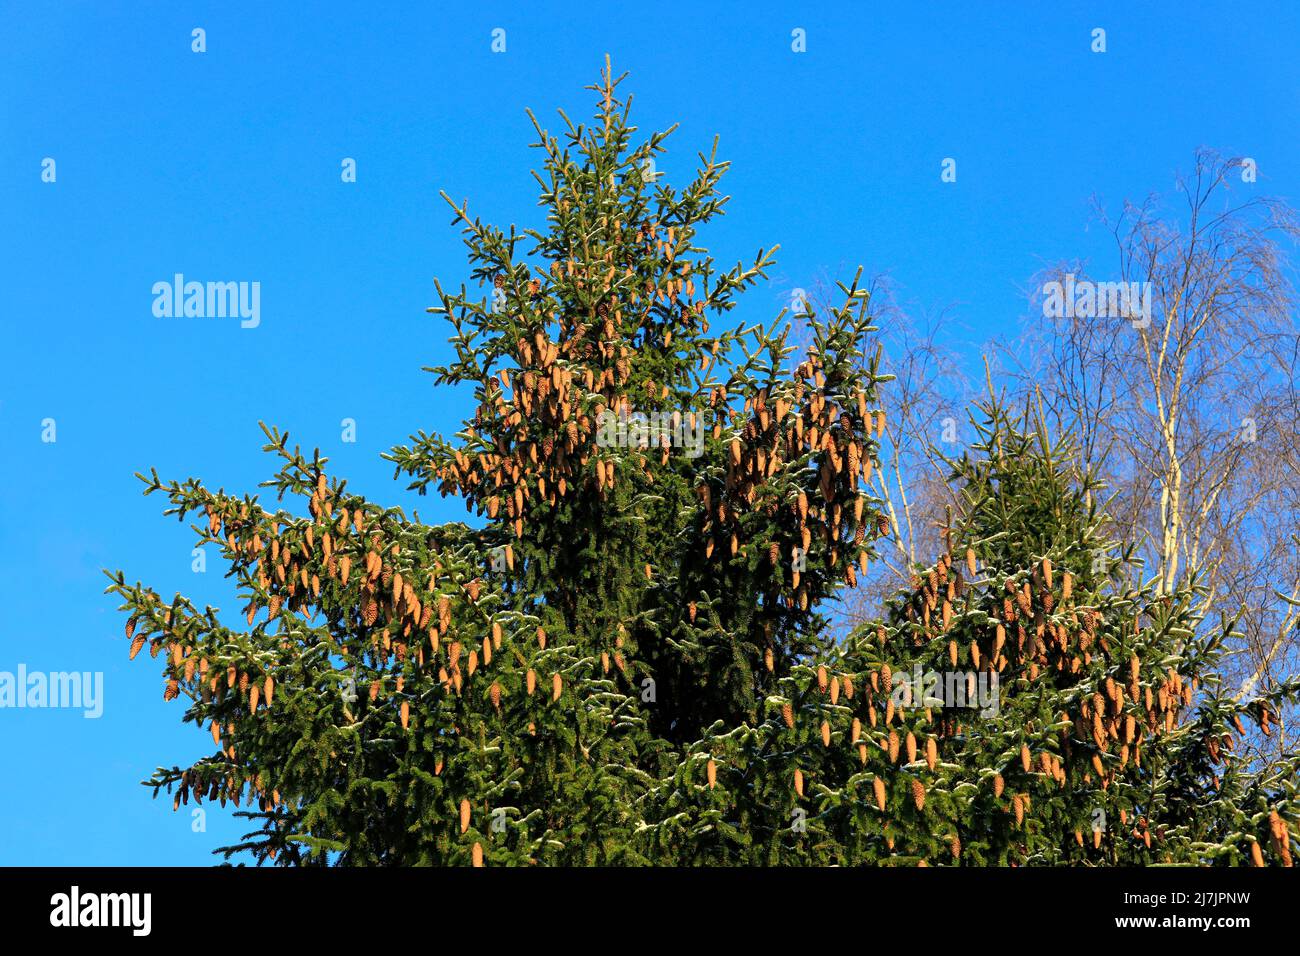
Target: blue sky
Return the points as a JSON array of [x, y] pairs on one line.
[[225, 166]]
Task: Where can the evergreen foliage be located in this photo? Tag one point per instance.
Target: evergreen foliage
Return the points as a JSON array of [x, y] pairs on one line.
[[624, 660]]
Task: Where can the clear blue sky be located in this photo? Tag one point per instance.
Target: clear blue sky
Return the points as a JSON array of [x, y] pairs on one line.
[[225, 165]]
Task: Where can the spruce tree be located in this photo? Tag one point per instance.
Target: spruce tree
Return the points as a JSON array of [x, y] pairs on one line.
[[623, 657]]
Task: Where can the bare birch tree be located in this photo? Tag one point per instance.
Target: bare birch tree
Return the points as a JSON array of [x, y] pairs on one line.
[[1189, 406]]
